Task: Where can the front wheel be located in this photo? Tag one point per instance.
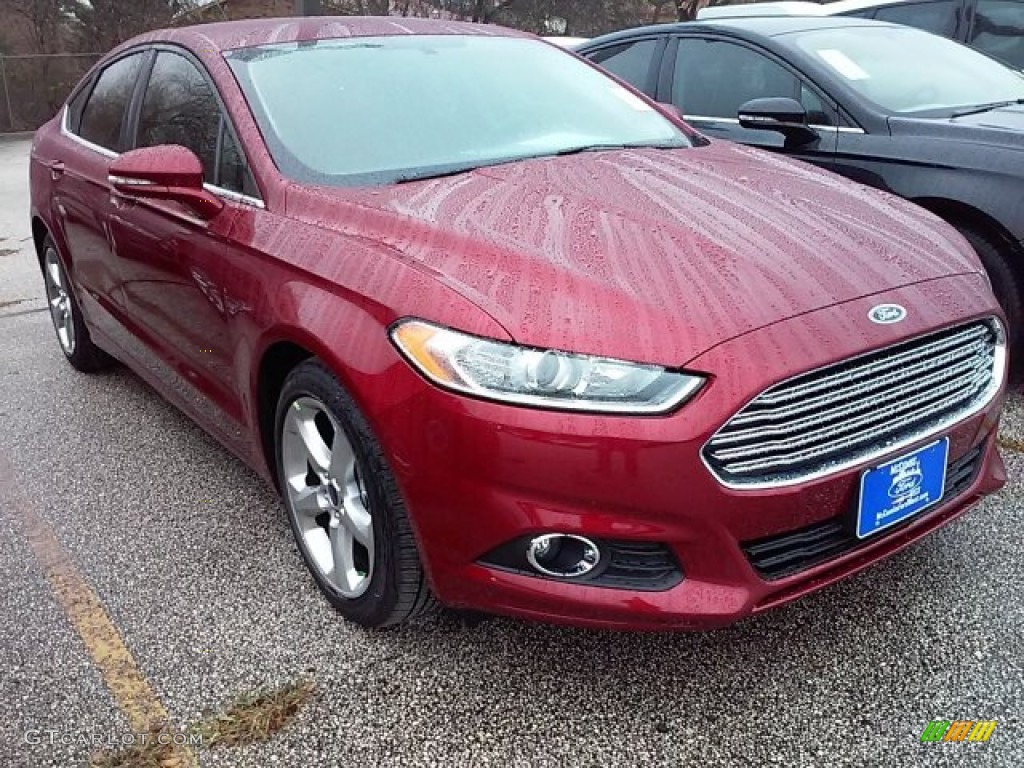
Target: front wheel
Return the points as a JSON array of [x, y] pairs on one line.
[[343, 503], [1005, 285]]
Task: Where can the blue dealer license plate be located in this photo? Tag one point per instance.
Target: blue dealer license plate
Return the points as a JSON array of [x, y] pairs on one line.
[[898, 489]]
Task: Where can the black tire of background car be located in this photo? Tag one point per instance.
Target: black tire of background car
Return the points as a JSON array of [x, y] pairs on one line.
[[1006, 287], [87, 357], [398, 587]]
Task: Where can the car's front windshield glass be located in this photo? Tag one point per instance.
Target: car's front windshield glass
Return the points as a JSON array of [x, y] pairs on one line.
[[379, 110], [905, 71]]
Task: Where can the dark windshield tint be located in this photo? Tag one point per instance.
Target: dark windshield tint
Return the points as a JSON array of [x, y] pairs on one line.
[[938, 17], [905, 70], [378, 110], [998, 29]]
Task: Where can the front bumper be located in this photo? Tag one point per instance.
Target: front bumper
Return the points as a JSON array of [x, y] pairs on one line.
[[476, 475]]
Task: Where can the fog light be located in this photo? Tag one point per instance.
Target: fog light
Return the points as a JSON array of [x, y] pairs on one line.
[[563, 555]]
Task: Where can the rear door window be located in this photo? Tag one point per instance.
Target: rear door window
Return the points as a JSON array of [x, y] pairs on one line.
[[940, 17], [632, 62], [103, 114], [998, 30]]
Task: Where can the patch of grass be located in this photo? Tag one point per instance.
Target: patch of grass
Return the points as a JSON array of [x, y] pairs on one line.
[[253, 717], [256, 716], [1010, 444], [148, 753]]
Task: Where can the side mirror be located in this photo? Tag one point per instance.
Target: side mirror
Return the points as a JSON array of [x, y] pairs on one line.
[[787, 116], [670, 110], [166, 172]]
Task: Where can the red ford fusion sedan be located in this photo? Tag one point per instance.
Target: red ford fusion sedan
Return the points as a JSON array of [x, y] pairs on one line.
[[505, 334]]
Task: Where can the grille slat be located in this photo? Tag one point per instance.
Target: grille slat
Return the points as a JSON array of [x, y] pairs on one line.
[[798, 387], [902, 410], [852, 411], [960, 360], [944, 378]]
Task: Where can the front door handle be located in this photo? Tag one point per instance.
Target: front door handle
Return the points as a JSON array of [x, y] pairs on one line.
[[56, 169], [120, 202]]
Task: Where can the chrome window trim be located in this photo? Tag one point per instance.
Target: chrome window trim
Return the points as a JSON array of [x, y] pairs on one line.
[[237, 197], [65, 131], [872, 457], [226, 194], [735, 121]]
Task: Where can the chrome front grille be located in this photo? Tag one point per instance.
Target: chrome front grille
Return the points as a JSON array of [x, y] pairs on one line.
[[847, 413]]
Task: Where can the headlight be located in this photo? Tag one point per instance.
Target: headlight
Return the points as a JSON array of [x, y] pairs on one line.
[[500, 371]]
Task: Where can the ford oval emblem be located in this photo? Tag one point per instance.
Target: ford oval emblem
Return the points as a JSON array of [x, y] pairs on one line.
[[887, 314]]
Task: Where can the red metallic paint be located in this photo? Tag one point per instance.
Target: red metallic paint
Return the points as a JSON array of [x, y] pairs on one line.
[[747, 267], [164, 173]]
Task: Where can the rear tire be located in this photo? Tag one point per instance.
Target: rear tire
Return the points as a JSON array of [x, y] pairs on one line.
[[343, 503], [72, 333], [1005, 285]]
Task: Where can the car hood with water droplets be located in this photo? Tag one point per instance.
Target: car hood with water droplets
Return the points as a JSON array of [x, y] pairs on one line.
[[651, 255]]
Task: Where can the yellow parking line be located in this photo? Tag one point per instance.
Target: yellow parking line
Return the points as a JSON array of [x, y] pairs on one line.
[[120, 672]]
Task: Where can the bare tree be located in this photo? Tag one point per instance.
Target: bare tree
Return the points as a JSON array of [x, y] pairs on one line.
[[102, 24], [43, 21]]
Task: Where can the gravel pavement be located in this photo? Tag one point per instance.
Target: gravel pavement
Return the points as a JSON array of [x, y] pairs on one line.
[[193, 561]]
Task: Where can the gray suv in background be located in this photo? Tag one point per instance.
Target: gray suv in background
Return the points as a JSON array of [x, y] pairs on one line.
[[995, 27]]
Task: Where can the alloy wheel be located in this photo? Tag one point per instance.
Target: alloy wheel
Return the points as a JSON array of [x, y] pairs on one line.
[[59, 299], [326, 496]]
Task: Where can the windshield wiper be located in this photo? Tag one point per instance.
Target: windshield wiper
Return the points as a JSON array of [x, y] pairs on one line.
[[612, 147], [455, 170], [437, 173], [986, 108]]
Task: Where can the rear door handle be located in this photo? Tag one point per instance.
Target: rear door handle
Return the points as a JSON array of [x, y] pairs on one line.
[[56, 169]]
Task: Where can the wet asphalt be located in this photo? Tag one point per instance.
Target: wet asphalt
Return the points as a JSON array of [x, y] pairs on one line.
[[193, 561]]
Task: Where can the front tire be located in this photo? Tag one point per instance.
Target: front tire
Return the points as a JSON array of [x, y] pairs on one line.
[[343, 503], [1005, 285], [72, 333]]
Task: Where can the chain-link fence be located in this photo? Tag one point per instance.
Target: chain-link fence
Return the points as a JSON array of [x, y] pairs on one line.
[[33, 87]]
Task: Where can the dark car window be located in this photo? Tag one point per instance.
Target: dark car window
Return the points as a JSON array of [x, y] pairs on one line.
[[631, 62], [998, 30], [818, 112], [180, 107], [939, 17], [232, 170], [714, 78], [75, 106], [104, 112]]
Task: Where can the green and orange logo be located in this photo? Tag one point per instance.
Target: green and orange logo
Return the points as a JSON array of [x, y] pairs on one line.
[[958, 730]]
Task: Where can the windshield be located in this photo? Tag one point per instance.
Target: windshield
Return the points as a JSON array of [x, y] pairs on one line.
[[380, 110], [906, 70]]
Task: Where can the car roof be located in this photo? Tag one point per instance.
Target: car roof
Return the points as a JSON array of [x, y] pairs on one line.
[[229, 35], [566, 41], [792, 8], [765, 26]]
